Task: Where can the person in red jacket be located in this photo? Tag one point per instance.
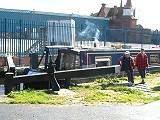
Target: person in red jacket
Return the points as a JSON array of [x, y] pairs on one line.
[[142, 64]]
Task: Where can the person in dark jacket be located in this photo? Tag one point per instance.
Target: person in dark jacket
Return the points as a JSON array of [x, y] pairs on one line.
[[127, 64], [142, 64]]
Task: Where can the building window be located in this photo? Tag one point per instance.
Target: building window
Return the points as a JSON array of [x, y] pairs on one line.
[[128, 12], [154, 59], [103, 61]]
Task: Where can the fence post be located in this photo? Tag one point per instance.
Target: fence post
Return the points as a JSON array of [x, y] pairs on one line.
[[141, 36], [7, 82], [5, 30], [20, 37], [125, 35]]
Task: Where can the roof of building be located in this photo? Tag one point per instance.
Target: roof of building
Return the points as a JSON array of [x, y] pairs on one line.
[[48, 13], [114, 11]]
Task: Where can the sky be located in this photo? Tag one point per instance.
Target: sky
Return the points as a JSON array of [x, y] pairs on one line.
[[147, 11]]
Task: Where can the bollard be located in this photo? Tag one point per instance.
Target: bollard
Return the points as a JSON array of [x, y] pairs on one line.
[[33, 60], [67, 82], [52, 78], [7, 83]]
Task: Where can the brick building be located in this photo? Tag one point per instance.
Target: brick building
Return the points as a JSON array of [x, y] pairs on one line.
[[123, 16]]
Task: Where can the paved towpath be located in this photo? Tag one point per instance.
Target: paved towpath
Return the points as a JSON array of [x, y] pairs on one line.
[[79, 112]]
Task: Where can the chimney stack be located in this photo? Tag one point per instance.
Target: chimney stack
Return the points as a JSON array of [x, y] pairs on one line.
[[103, 5], [121, 5], [102, 12], [128, 4]]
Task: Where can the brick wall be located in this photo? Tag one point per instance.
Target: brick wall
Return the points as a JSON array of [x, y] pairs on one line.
[[129, 23], [24, 61], [2, 61]]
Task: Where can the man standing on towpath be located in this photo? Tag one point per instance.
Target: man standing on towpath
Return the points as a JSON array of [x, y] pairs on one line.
[[142, 64], [127, 64]]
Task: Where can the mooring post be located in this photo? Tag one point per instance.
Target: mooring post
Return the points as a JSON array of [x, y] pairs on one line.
[[8, 83], [67, 82], [52, 78]]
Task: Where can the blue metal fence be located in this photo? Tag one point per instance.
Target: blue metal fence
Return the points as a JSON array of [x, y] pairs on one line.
[[128, 35], [20, 37]]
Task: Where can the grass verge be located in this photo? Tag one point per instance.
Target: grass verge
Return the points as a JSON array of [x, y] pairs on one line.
[[113, 94], [103, 90], [34, 97]]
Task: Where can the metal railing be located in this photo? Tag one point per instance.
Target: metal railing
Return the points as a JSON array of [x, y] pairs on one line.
[[20, 37]]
